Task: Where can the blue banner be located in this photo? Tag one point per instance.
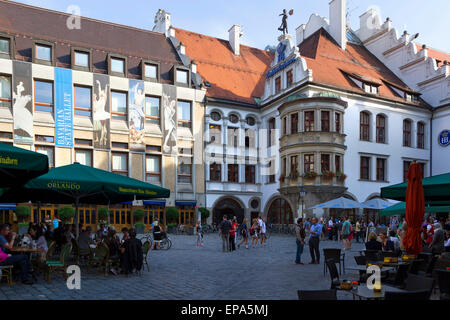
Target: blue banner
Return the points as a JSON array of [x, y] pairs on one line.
[[63, 108]]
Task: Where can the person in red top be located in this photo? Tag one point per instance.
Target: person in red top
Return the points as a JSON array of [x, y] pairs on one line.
[[233, 235]]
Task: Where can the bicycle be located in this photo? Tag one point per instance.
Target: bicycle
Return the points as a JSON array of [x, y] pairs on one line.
[[165, 243]]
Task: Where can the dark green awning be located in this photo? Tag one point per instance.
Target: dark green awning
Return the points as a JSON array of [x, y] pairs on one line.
[[400, 209]]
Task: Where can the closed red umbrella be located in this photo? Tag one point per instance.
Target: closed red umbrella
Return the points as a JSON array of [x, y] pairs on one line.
[[415, 210]]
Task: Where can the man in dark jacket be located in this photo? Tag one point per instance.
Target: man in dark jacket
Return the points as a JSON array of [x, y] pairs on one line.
[[437, 244], [224, 232], [133, 258]]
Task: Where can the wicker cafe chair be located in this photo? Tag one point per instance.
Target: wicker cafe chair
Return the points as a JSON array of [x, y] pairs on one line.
[[100, 258], [54, 265], [7, 272], [418, 295], [316, 295], [145, 250], [336, 255]]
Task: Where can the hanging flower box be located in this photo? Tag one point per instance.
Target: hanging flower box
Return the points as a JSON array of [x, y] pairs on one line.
[[328, 175], [294, 175], [341, 176], [310, 175]]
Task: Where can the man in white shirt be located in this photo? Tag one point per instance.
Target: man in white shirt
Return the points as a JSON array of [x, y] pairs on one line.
[[262, 225]]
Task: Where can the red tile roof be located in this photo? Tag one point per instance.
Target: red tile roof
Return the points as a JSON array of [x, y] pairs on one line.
[[331, 65], [236, 78]]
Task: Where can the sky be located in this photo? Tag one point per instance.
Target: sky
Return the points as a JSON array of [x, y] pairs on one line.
[[260, 18]]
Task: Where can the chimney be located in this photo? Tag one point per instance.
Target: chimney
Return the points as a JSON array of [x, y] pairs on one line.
[[338, 23], [162, 22], [235, 35]]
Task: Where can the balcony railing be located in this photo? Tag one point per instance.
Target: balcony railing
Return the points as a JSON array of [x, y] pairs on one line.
[[319, 180]]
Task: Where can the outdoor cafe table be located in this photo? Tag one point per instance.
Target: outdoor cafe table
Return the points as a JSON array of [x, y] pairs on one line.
[[26, 250], [364, 268], [362, 291]]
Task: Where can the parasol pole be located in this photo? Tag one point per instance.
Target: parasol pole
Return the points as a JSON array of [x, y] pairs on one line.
[[77, 218]]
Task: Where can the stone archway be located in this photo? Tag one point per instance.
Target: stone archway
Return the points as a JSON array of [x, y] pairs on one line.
[[229, 207], [280, 212]]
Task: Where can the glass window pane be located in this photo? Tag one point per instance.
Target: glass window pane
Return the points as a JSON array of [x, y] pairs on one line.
[[182, 76], [117, 65], [82, 59], [119, 104], [82, 97], [84, 157], [153, 164], [4, 46], [47, 151], [5, 91], [119, 161], [43, 52], [44, 92], [184, 111], [152, 107], [151, 71]]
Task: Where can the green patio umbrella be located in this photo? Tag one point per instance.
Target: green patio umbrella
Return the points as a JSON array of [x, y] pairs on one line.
[[76, 183], [400, 209], [18, 165], [436, 188]]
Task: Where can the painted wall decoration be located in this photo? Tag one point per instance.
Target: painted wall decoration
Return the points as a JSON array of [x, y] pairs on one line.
[[444, 138], [169, 108], [63, 108], [136, 115], [22, 103], [101, 112]]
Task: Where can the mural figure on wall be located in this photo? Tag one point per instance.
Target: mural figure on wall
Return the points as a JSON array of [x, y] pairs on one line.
[[23, 122], [170, 140], [137, 115], [101, 116]]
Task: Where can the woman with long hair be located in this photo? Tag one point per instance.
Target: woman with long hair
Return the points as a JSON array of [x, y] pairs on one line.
[[244, 232], [199, 232], [254, 232]]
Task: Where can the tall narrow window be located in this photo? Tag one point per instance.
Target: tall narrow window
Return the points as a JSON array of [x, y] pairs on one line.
[[83, 101], [119, 105], [294, 164], [278, 85], [283, 166], [152, 109], [250, 138], [309, 121], [271, 169], [43, 92], [284, 126], [153, 168], [325, 121], [233, 173], [289, 78], [250, 171], [184, 114], [215, 172], [337, 163], [381, 129], [184, 170], [294, 123], [381, 169], [49, 151], [119, 163], [271, 135], [233, 137], [421, 135], [325, 162], [308, 162], [337, 122], [365, 168], [5, 91], [407, 133], [364, 133], [406, 165], [215, 134], [83, 156]]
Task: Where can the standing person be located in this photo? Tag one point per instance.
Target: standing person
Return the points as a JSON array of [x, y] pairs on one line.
[[330, 229], [300, 240], [314, 240], [322, 225], [263, 232], [157, 235], [243, 229], [55, 222], [233, 235], [199, 232], [346, 228], [307, 226], [254, 233], [224, 233], [358, 230], [437, 244]]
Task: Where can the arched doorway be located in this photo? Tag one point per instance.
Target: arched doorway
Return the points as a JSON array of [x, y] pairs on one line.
[[280, 212], [228, 207]]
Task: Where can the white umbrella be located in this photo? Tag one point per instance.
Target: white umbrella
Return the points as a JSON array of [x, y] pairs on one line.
[[340, 203], [377, 204]]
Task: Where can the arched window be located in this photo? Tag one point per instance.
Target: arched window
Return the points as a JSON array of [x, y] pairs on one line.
[[364, 131], [234, 118], [280, 212], [251, 121], [381, 128], [216, 116], [407, 133], [421, 135]]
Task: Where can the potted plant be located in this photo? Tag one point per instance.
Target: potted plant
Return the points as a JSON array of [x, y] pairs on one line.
[[172, 215], [327, 174], [23, 213], [138, 215], [102, 214], [341, 176], [294, 174], [66, 214], [310, 175], [204, 213]]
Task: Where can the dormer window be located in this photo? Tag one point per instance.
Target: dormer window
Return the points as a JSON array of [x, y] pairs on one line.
[[182, 76], [151, 71], [43, 52], [117, 65], [370, 88], [4, 46], [411, 97], [81, 59]]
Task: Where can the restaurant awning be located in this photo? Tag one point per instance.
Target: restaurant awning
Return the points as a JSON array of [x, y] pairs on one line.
[[435, 188], [400, 209], [340, 203], [7, 206], [18, 165]]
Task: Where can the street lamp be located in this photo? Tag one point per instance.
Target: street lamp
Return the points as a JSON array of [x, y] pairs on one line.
[[302, 197]]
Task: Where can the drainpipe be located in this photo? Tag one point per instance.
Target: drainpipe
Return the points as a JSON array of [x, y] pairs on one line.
[[431, 145]]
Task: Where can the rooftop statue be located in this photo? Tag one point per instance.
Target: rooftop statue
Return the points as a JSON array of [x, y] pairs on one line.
[[284, 21]]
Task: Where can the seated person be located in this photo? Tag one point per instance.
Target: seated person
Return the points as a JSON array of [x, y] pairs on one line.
[[68, 233], [394, 239], [126, 234], [132, 254], [387, 245], [37, 234], [85, 241], [7, 259], [373, 244]]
